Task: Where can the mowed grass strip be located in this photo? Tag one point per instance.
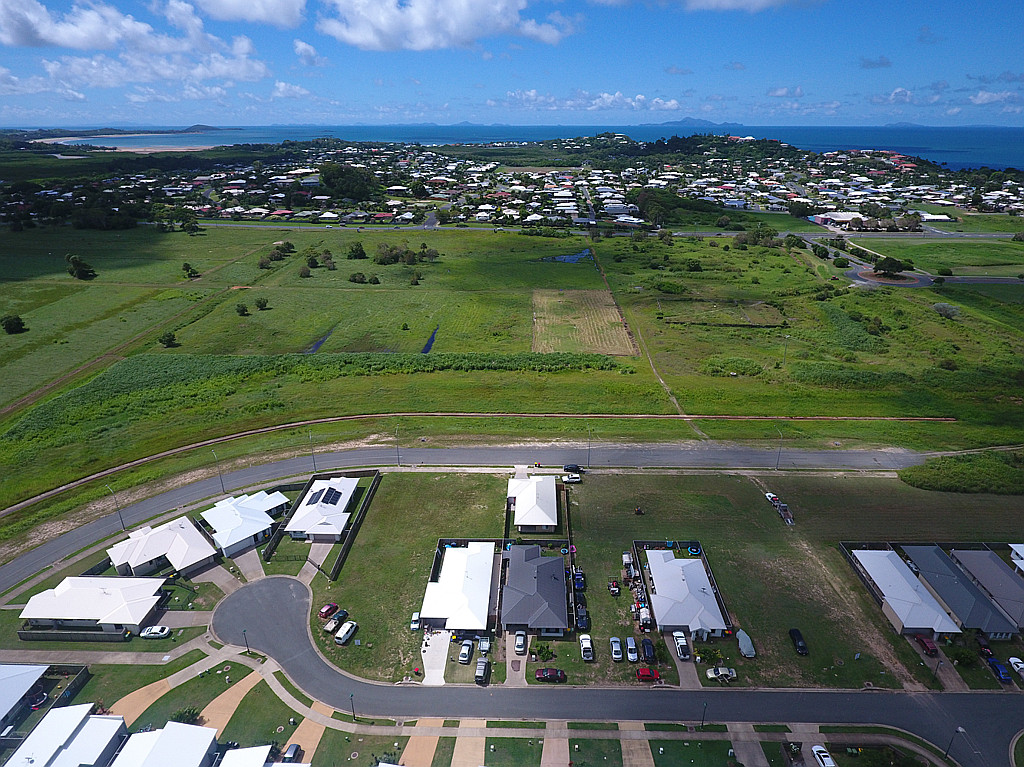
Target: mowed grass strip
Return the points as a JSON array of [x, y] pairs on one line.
[[261, 718], [990, 258], [579, 321]]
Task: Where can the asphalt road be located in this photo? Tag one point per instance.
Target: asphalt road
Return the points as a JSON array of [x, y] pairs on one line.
[[707, 455], [274, 613]]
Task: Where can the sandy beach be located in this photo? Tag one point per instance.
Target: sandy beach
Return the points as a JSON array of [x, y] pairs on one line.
[[63, 140]]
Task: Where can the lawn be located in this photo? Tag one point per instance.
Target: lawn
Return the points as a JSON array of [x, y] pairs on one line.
[[391, 560], [979, 222], [196, 692], [261, 718], [337, 747], [10, 622], [990, 258], [512, 752], [289, 557], [110, 683], [595, 753], [443, 753], [701, 753]]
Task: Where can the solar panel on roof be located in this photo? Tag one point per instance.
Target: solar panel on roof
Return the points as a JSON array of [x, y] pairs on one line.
[[315, 498], [332, 496]]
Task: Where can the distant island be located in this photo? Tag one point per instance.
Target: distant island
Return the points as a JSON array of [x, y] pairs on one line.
[[63, 133]]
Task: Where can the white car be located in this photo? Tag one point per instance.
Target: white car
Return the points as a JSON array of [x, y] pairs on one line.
[[631, 652], [520, 643], [332, 625], [466, 651], [586, 647], [155, 632], [721, 674], [1017, 665], [772, 498], [682, 646], [616, 645], [823, 757], [571, 479], [348, 628], [414, 624]]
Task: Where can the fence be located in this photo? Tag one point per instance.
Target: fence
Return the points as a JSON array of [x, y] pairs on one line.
[[357, 521], [71, 635]]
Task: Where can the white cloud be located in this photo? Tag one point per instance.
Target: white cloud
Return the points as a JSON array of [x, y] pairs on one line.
[[900, 96], [954, 111], [307, 54], [420, 25], [91, 26], [584, 101], [988, 97], [288, 91], [786, 93], [280, 13]]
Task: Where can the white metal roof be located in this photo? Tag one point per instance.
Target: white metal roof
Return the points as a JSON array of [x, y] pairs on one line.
[[178, 540], [15, 681], [256, 756], [67, 737], [176, 745], [536, 503], [461, 595], [322, 510], [239, 518], [104, 599], [682, 594], [905, 594]]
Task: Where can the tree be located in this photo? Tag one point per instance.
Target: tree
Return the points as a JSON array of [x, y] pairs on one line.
[[304, 271], [357, 277], [723, 222], [1018, 236], [356, 251], [78, 269], [312, 262], [792, 241], [263, 263], [261, 303], [349, 181], [889, 267], [12, 324], [167, 339], [242, 310], [841, 262], [190, 271]]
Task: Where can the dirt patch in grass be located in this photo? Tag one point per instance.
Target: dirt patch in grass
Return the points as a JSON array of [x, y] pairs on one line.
[[579, 321]]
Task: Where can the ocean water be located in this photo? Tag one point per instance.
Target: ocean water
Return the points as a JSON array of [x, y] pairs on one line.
[[956, 148]]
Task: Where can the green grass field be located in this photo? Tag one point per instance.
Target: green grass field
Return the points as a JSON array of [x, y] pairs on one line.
[[699, 753], [989, 258], [196, 692], [337, 747], [979, 222], [110, 683], [512, 752], [261, 718]]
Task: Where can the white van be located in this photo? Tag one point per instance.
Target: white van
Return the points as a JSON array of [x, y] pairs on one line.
[[348, 628]]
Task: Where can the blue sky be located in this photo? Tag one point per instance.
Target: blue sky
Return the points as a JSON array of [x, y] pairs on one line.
[[583, 62]]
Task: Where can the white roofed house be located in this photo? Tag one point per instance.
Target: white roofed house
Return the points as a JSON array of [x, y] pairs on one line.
[[71, 737], [95, 603], [321, 515], [682, 597], [534, 503], [16, 681], [178, 544], [460, 598], [243, 521]]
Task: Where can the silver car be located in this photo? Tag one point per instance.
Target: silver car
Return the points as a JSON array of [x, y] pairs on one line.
[[616, 645]]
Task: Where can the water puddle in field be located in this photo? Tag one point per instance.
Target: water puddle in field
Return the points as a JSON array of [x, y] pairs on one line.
[[316, 346], [430, 341], [574, 258]]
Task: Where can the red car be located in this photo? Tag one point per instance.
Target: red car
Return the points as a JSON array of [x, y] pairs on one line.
[[549, 675], [647, 675], [328, 610], [927, 645]]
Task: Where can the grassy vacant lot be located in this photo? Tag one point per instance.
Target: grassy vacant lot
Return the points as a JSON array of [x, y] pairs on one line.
[[337, 747], [196, 692], [990, 258], [979, 222], [595, 753], [512, 752], [680, 753], [391, 559], [109, 684], [258, 717]]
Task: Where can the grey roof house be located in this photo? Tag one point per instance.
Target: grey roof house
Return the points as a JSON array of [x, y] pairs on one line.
[[996, 578], [534, 597]]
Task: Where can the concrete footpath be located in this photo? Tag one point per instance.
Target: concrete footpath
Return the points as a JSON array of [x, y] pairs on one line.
[[419, 750]]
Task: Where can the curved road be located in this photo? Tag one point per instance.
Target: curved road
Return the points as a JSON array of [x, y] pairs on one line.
[[698, 455], [274, 613]]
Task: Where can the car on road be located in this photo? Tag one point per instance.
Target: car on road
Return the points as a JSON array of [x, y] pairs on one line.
[[414, 624], [1018, 665], [647, 650], [645, 674], [927, 645], [466, 651], [571, 479], [616, 645], [682, 646], [520, 645], [348, 628], [631, 652], [549, 675], [823, 757], [721, 674], [582, 618], [485, 645], [327, 611], [586, 647], [798, 641], [999, 670], [155, 632], [572, 468]]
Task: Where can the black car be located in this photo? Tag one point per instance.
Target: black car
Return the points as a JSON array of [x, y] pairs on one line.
[[798, 641], [582, 619], [572, 468], [647, 650]]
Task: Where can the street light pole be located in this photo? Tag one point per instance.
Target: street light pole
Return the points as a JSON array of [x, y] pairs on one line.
[[215, 458], [352, 703], [589, 438], [311, 451], [935, 672], [785, 352], [703, 716], [246, 640], [957, 731], [118, 507], [779, 456], [398, 454]]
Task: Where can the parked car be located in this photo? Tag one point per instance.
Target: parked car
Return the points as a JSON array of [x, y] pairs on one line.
[[582, 618], [613, 588], [414, 624], [927, 645], [466, 651], [572, 468], [772, 498], [1018, 665], [616, 645], [483, 671], [332, 625], [647, 650], [579, 580], [682, 646], [348, 628], [798, 641], [549, 675], [631, 653], [822, 756], [984, 648], [155, 632], [327, 611], [999, 670], [484, 645], [520, 645], [645, 674], [586, 647], [291, 754], [721, 674], [571, 479]]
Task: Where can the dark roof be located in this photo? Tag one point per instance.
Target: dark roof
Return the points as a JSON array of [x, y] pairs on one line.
[[534, 593], [997, 578], [959, 593]]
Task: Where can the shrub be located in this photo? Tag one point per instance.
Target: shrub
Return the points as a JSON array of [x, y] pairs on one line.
[[947, 310], [186, 715], [841, 262], [167, 339], [242, 310], [12, 324], [375, 280], [723, 366], [961, 656], [263, 263], [304, 271], [357, 277], [1000, 473], [261, 303], [945, 271], [312, 262], [1018, 236]]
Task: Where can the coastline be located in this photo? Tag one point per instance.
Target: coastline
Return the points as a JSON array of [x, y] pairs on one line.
[[148, 149]]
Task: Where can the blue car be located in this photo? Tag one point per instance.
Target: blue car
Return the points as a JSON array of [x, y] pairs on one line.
[[1001, 672]]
